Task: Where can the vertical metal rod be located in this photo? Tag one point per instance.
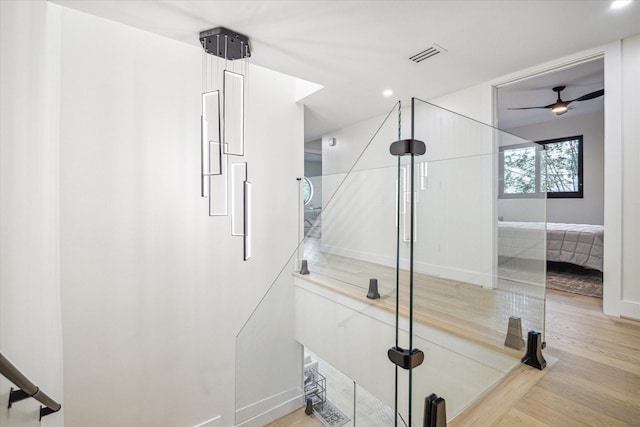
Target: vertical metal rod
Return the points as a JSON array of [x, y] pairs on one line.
[[399, 195], [299, 208], [411, 240]]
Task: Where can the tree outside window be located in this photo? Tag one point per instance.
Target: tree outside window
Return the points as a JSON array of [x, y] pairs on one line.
[[552, 168]]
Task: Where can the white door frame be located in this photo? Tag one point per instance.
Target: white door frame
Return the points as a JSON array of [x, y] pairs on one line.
[[613, 303]]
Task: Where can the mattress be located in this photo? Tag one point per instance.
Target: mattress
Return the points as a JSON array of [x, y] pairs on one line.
[[579, 244]]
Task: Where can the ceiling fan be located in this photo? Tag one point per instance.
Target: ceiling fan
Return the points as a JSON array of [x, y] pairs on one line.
[[560, 107]]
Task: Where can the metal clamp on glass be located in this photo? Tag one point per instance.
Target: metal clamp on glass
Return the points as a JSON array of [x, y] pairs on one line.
[[406, 359], [408, 146]]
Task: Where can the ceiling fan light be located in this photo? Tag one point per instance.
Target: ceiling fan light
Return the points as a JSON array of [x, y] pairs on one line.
[[559, 109]]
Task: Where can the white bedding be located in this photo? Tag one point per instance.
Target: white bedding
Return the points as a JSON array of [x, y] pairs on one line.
[[579, 244]]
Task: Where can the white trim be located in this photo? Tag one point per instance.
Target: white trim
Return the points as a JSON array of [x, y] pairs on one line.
[[550, 66], [613, 179], [270, 409], [629, 66], [213, 422], [612, 53]]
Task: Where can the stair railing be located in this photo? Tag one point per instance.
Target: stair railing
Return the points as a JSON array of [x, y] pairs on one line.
[[26, 389]]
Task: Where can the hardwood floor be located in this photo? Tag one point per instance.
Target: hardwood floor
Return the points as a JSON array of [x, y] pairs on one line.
[[594, 382], [297, 419], [593, 378], [469, 311]]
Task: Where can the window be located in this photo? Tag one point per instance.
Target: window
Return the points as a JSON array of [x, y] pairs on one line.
[[552, 167]]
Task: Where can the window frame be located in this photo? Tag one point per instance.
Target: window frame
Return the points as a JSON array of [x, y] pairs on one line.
[[540, 147]]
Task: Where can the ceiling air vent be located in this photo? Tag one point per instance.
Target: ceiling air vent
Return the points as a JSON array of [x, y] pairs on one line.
[[429, 52]]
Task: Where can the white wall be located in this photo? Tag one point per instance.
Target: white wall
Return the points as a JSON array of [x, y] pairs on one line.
[[154, 290], [106, 244], [621, 197], [473, 102], [590, 209], [455, 211], [631, 181], [358, 218], [312, 168], [30, 323]]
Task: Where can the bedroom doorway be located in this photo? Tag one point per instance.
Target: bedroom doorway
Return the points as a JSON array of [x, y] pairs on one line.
[[571, 166]]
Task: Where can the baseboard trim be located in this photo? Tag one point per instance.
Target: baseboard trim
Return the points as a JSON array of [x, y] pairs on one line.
[[267, 410], [213, 422], [475, 278]]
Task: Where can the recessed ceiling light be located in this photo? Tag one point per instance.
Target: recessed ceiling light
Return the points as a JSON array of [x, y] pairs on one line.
[[387, 93], [617, 4]]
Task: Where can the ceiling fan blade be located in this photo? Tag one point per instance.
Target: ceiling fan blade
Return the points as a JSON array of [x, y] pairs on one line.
[[528, 108], [588, 96]]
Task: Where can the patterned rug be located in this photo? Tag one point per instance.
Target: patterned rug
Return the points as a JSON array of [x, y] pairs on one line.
[[329, 415], [574, 279]]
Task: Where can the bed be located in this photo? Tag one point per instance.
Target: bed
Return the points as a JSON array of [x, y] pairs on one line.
[[579, 244]]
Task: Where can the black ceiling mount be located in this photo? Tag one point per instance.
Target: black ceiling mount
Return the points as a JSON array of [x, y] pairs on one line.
[[225, 43]]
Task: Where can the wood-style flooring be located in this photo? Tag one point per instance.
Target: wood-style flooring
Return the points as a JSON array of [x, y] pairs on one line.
[[594, 380], [469, 311]]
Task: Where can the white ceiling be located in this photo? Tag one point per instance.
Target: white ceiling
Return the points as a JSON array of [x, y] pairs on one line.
[[356, 49]]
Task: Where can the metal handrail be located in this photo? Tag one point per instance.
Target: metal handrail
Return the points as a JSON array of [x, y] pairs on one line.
[[27, 388]]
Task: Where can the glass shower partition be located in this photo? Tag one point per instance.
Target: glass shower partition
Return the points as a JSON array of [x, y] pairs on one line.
[[476, 261]]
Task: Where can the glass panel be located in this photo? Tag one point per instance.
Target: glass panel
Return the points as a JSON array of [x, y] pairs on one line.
[[311, 309], [405, 210], [268, 358], [477, 258], [233, 115]]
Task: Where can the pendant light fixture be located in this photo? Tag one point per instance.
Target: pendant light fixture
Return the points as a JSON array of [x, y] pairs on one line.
[[224, 172]]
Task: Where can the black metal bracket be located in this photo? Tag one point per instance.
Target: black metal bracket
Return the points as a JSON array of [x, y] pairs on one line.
[[225, 43], [514, 334], [373, 289], [408, 146], [16, 395], [435, 411], [45, 410], [406, 359], [304, 267], [534, 357]]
